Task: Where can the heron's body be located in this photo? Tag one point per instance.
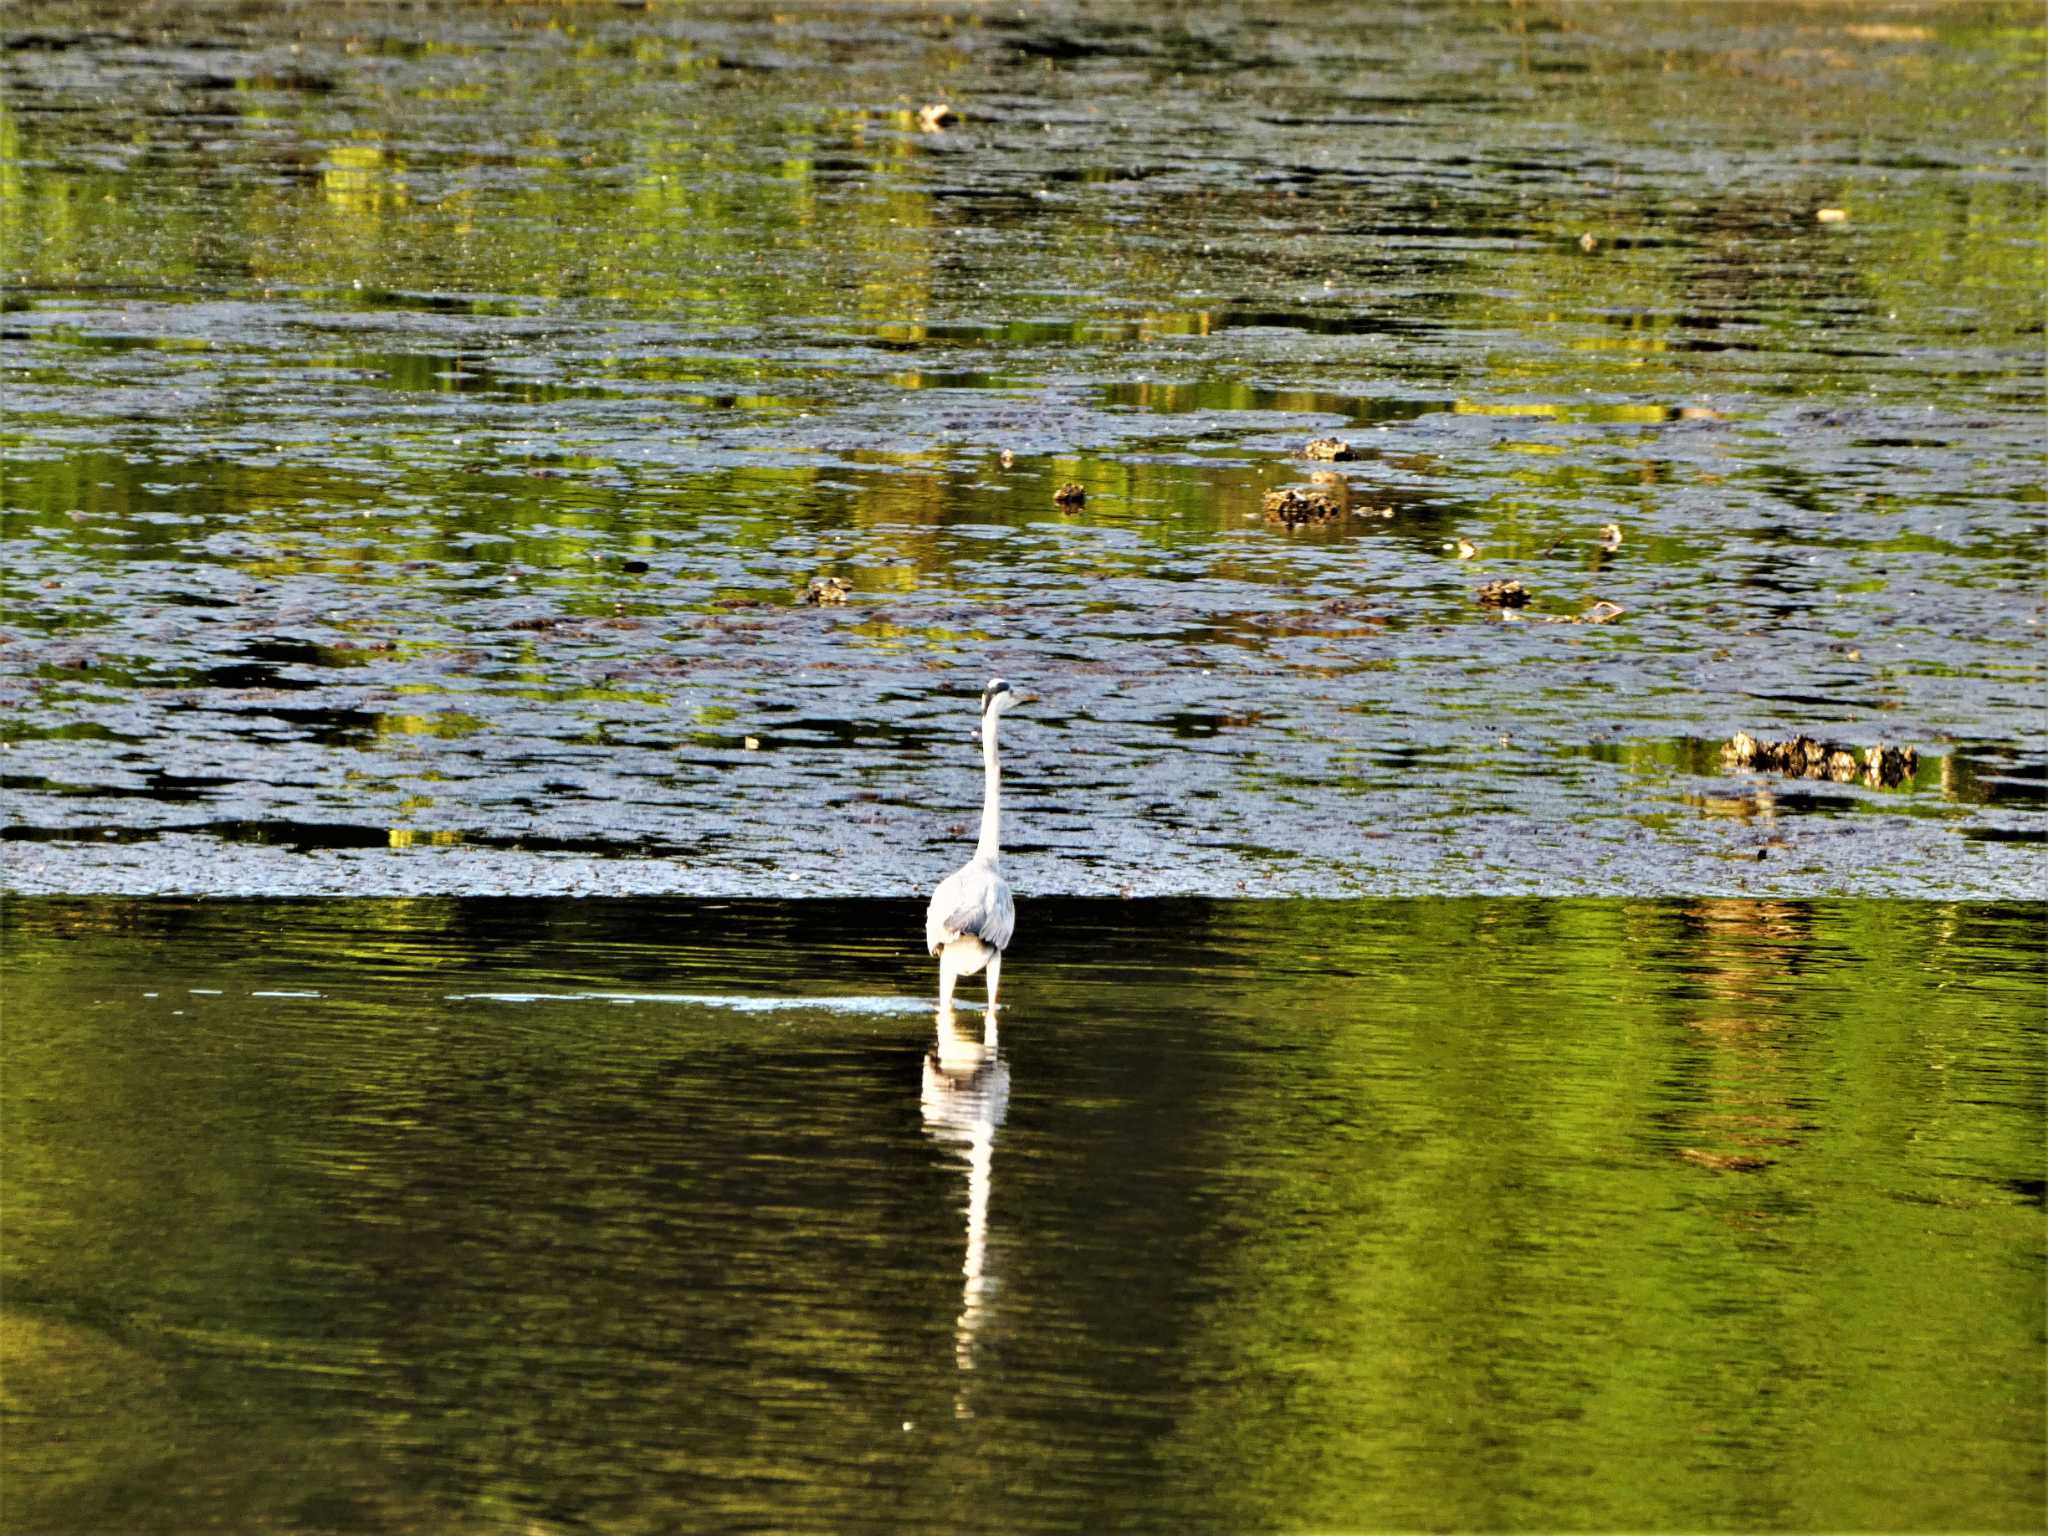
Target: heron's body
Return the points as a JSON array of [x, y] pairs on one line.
[[971, 916], [968, 925]]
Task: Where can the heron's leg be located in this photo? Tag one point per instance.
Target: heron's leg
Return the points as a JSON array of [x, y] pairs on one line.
[[995, 975], [947, 976]]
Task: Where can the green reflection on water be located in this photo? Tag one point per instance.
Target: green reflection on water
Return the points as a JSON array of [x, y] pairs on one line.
[[622, 173], [435, 1215]]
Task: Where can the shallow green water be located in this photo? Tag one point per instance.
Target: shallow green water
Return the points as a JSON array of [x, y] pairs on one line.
[[644, 1216]]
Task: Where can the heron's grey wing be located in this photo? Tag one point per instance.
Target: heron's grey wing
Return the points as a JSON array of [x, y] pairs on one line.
[[1001, 919], [975, 900], [938, 915]]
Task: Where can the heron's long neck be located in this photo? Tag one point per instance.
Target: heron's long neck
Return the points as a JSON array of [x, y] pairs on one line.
[[991, 796]]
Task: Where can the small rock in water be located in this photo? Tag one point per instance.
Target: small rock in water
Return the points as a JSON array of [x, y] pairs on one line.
[[1832, 215], [1327, 449], [1886, 767], [1610, 536], [936, 116], [1724, 1162], [1589, 241], [1502, 594], [1293, 506], [1006, 458], [1071, 494], [1465, 549], [828, 589]]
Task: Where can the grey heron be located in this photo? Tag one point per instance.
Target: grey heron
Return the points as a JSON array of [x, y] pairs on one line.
[[971, 916]]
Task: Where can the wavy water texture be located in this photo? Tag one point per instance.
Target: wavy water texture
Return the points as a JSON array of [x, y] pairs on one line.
[[422, 425]]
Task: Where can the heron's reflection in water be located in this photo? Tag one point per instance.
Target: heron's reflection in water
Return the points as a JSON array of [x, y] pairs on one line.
[[966, 1095]]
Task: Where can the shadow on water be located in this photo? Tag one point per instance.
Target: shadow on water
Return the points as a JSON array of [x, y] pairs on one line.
[[663, 1215]]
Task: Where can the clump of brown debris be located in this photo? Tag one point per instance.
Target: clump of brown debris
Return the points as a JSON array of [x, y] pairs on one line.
[[1294, 506], [1882, 767]]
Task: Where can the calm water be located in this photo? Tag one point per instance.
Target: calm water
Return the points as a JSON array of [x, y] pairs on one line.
[[420, 423], [640, 1216]]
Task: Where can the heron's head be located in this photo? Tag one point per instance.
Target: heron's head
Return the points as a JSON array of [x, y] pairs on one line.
[[999, 696]]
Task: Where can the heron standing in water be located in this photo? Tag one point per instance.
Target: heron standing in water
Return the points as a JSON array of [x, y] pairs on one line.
[[971, 916]]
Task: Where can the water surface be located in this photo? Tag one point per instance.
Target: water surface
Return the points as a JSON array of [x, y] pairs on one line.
[[651, 1216], [421, 423]]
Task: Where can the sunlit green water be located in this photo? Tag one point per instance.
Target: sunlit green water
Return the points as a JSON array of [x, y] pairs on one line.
[[623, 1217]]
